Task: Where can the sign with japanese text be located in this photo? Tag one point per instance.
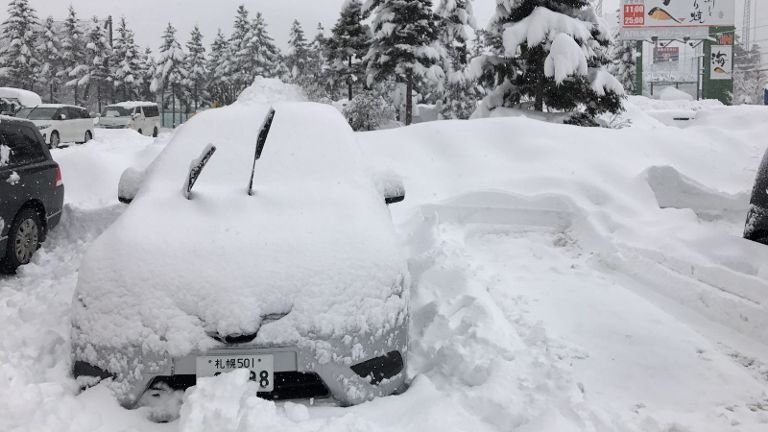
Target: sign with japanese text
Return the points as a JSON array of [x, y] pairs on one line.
[[663, 55], [721, 62], [678, 13]]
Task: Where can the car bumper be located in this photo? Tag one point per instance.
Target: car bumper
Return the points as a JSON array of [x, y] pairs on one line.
[[298, 372], [113, 126]]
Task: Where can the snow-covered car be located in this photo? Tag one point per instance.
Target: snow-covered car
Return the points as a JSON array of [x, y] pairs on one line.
[[282, 259], [60, 123], [31, 192], [756, 227], [143, 117], [13, 99]]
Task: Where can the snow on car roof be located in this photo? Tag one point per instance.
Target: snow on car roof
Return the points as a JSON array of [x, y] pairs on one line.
[[56, 106], [132, 104], [316, 241], [25, 97]]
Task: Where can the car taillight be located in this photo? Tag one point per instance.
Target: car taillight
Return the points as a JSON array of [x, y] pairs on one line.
[[59, 181]]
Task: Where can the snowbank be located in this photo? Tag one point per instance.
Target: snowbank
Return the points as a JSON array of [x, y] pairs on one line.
[[268, 91], [673, 94]]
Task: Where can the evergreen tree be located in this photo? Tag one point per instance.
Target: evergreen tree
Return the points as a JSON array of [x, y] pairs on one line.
[[72, 53], [126, 63], [269, 61], [96, 74], [241, 63], [624, 62], [19, 57], [50, 57], [147, 73], [558, 67], [197, 69], [171, 71], [405, 45], [297, 58], [747, 77], [317, 86], [348, 45], [219, 85], [461, 96]]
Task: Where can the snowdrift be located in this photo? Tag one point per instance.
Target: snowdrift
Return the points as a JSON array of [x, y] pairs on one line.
[[629, 194]]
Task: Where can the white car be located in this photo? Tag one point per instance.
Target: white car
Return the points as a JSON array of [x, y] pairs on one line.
[[143, 117], [283, 260], [60, 123]]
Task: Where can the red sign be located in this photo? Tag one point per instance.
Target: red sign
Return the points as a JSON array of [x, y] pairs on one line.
[[634, 15]]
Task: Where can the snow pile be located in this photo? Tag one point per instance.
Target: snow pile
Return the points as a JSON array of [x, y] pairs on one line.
[[673, 94], [269, 91], [91, 171]]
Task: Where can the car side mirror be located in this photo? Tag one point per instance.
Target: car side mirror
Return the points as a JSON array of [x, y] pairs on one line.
[[62, 116], [129, 185], [391, 186]]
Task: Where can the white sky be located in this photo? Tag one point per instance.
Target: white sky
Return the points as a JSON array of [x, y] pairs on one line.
[[150, 17]]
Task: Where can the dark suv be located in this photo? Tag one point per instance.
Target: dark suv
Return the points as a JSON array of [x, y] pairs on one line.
[[31, 192]]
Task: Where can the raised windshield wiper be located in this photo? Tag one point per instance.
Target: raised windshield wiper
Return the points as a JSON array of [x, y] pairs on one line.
[[263, 133], [195, 168]]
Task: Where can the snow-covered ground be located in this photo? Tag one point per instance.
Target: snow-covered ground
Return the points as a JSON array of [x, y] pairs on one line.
[[565, 279]]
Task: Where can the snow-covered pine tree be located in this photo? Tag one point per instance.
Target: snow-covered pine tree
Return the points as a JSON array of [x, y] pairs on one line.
[[97, 76], [19, 58], [72, 54], [461, 96], [623, 61], [318, 86], [548, 54], [197, 69], [171, 70], [405, 45], [49, 50], [219, 85], [147, 73], [241, 61], [347, 47], [126, 63], [747, 77], [269, 61], [297, 57]]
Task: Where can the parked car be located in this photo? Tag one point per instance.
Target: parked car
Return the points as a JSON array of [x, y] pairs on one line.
[[143, 117], [60, 123], [298, 278], [14, 99], [756, 228], [31, 192]]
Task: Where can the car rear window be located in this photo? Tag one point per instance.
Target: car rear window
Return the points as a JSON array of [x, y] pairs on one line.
[[151, 111], [24, 144]]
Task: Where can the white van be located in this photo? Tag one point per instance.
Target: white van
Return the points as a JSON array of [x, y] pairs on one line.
[[143, 117], [60, 123]]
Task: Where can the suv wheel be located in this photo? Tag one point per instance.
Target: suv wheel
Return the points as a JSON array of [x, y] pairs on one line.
[[23, 240], [154, 133], [88, 136], [55, 140]]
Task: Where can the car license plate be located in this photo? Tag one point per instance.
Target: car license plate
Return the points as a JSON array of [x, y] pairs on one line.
[[262, 367]]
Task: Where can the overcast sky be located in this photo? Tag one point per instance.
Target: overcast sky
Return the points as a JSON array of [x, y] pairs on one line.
[[150, 17]]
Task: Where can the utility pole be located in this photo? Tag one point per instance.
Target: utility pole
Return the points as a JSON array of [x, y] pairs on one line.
[[746, 32]]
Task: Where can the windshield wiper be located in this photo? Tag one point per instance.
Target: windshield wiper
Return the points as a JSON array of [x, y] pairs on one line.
[[195, 168], [263, 133]]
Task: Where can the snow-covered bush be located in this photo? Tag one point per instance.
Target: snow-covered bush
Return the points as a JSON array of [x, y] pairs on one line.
[[369, 111]]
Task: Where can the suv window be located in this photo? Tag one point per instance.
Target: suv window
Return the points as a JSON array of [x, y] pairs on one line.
[[84, 114], [151, 111], [24, 143]]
